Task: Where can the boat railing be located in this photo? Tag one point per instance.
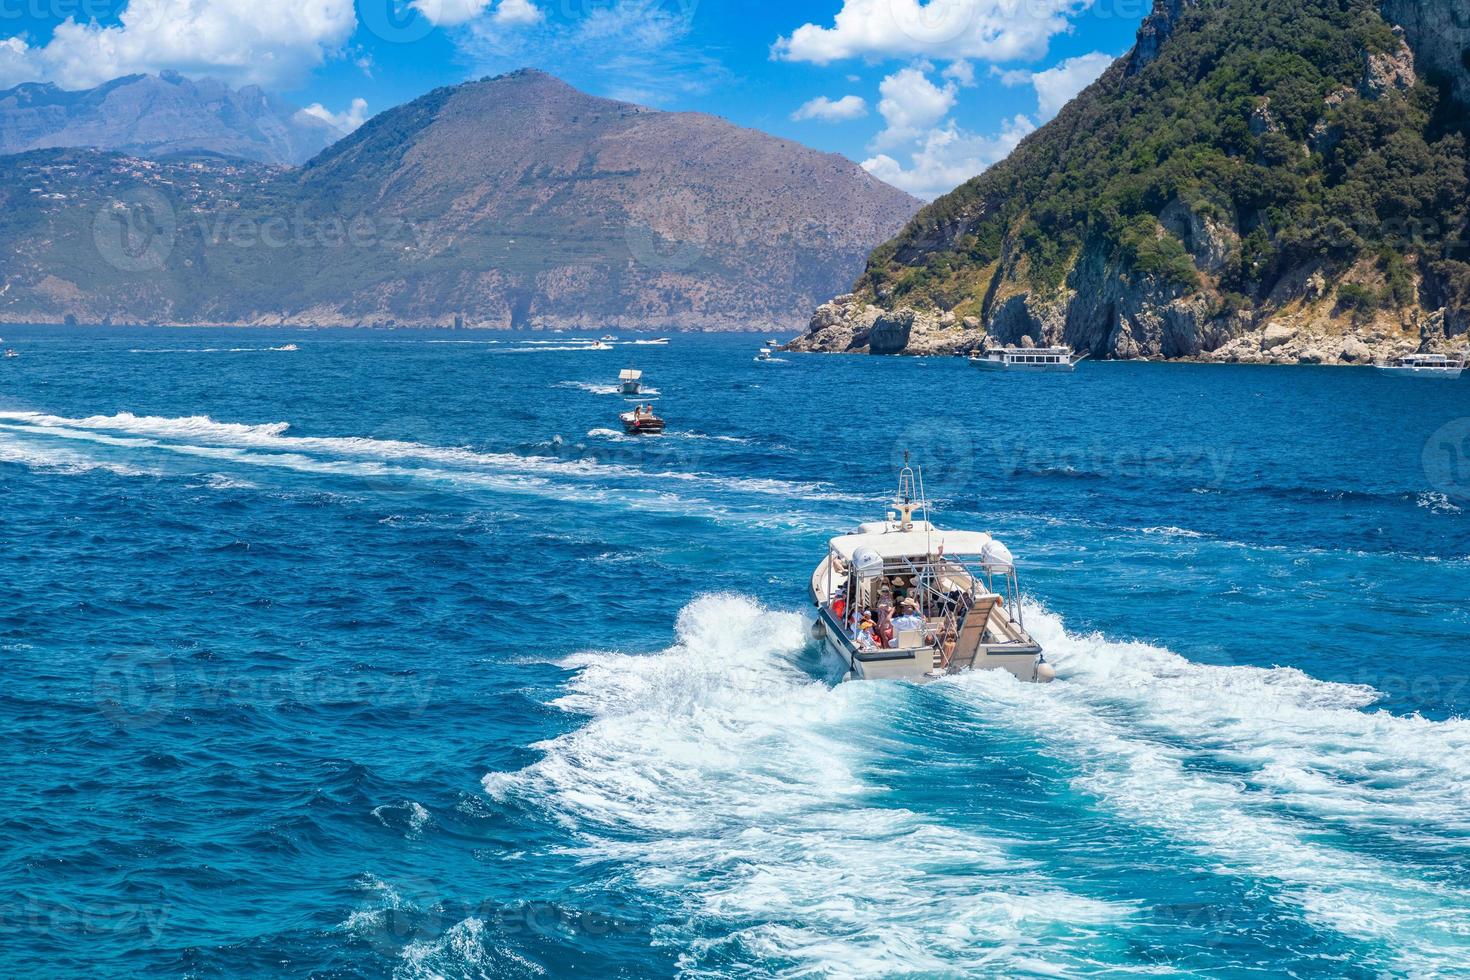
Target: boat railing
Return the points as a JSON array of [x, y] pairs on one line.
[[993, 578]]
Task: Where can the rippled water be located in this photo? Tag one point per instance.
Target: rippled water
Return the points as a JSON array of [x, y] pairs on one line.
[[391, 655]]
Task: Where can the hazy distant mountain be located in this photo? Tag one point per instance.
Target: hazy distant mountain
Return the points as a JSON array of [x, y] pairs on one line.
[[513, 201], [157, 115]]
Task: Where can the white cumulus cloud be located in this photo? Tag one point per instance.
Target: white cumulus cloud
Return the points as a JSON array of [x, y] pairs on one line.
[[832, 110], [911, 104], [267, 42], [451, 13], [16, 63], [518, 12], [1056, 86], [947, 157], [348, 120], [990, 30]]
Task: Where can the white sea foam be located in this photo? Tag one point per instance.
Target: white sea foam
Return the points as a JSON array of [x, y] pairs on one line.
[[1268, 772], [724, 779], [63, 461], [582, 481], [469, 463], [408, 816], [1437, 503]]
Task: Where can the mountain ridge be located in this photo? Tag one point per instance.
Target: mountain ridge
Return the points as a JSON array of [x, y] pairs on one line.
[[161, 115], [1254, 181], [514, 201]]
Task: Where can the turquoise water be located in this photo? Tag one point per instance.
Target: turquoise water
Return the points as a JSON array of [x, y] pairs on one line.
[[390, 655]]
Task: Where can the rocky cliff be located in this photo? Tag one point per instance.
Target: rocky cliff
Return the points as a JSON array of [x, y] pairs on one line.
[[1257, 180]]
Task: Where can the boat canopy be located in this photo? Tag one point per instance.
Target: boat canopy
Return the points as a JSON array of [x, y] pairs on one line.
[[629, 374], [906, 544]]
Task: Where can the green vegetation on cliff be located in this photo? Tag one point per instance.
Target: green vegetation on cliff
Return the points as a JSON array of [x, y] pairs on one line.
[[1241, 143]]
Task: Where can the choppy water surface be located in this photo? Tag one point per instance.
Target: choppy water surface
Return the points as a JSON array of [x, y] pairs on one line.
[[391, 655]]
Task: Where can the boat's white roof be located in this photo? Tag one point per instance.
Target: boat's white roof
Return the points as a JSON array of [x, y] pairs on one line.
[[630, 375], [922, 540]]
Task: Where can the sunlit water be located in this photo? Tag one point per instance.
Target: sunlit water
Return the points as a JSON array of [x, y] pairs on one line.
[[391, 655]]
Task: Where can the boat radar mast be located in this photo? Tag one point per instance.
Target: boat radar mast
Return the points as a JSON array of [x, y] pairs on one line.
[[910, 496]]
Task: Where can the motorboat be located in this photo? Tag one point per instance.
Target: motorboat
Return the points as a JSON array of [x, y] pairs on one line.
[[609, 338], [12, 353], [630, 381], [764, 354], [1425, 366], [599, 345], [656, 341], [642, 422], [1027, 359], [942, 601]]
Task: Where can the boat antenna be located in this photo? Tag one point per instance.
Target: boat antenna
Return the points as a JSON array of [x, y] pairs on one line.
[[910, 496]]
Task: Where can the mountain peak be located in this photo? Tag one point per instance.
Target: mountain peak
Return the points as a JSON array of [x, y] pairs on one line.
[[160, 115]]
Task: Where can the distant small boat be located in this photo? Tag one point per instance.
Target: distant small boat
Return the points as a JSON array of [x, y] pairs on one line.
[[642, 421], [12, 353], [764, 354], [609, 337], [774, 342], [288, 347], [630, 382], [600, 346], [1027, 359], [656, 340], [1425, 366]]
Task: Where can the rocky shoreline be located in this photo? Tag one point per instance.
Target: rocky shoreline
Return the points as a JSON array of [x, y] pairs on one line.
[[848, 324]]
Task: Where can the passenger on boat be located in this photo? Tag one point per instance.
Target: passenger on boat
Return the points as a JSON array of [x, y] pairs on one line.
[[865, 638], [910, 620], [883, 624]]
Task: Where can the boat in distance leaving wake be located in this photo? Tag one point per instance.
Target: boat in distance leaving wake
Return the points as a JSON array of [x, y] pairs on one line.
[[1027, 359], [903, 599]]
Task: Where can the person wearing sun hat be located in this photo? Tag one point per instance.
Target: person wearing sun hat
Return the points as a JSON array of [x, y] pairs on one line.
[[910, 619]]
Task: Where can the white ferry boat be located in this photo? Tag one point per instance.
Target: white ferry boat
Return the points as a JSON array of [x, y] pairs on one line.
[[1425, 366], [903, 599], [1027, 359]]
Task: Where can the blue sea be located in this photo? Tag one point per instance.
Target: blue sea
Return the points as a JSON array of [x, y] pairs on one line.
[[364, 654]]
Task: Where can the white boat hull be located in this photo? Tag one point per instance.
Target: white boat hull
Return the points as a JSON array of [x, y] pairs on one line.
[[1448, 373], [1061, 367]]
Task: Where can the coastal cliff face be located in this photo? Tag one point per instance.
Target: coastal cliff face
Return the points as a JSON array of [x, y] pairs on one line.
[[1257, 181]]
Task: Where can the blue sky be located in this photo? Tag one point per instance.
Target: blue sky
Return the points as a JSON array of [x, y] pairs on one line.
[[923, 94]]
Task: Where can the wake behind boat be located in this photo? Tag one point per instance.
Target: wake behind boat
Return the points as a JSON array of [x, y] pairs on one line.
[[1027, 359], [903, 599]]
